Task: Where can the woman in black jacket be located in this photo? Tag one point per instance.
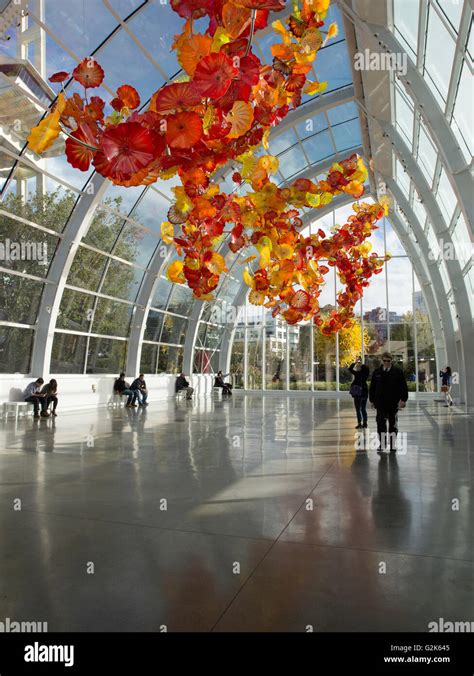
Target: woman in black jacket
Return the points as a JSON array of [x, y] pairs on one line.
[[360, 391]]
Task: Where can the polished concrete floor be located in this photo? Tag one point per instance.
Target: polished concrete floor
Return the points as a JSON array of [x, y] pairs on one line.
[[259, 513]]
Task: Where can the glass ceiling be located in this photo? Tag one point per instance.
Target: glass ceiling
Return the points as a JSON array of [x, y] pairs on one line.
[[123, 242]]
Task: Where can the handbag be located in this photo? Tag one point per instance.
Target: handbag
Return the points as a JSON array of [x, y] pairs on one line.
[[355, 390], [444, 388]]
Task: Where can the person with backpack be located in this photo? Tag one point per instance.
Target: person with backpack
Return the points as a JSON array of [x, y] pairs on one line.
[[359, 391]]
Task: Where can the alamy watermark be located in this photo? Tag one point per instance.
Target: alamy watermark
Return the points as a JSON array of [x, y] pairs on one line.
[[23, 251], [447, 627], [9, 626], [367, 60]]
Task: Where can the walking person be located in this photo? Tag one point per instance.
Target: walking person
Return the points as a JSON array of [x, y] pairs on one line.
[[388, 393], [359, 391], [33, 395], [446, 382], [50, 392]]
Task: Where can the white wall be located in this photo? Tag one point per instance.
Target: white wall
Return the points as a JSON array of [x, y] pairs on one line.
[[88, 391]]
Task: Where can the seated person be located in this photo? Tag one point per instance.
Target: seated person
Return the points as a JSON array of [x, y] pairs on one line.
[[139, 387], [182, 384], [219, 382], [121, 387], [50, 392], [33, 395]]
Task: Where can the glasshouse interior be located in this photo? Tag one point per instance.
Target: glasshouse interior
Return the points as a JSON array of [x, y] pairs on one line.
[[236, 336]]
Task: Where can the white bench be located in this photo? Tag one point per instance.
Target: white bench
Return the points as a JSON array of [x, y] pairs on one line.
[[117, 400], [14, 407]]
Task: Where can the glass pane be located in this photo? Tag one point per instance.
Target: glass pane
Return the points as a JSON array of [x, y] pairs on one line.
[[275, 352], [111, 318], [400, 289], [181, 300], [347, 135], [237, 359], [51, 210], [282, 142], [312, 125], [170, 359], [104, 230], [15, 349], [427, 368], [342, 113], [25, 249], [402, 348], [136, 245], [299, 338], [404, 115], [405, 15], [122, 281], [87, 269], [254, 374], [319, 147], [446, 198], [106, 356], [68, 353], [453, 10], [332, 65], [174, 330], [324, 365], [462, 242], [292, 161], [161, 294], [463, 112], [154, 324], [76, 311], [149, 359], [19, 298], [438, 62]]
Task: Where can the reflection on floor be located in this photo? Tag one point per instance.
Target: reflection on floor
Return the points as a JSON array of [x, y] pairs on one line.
[[253, 514]]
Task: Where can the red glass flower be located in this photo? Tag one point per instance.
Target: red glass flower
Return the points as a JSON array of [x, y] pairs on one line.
[[213, 75], [88, 73]]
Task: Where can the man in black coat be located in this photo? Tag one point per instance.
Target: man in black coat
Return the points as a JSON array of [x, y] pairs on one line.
[[388, 392]]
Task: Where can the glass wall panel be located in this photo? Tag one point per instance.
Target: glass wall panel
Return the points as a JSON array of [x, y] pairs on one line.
[[237, 359], [170, 359], [24, 248], [50, 209], [106, 356], [181, 300], [206, 361], [174, 330], [19, 298], [324, 364], [275, 353], [154, 325], [87, 269], [121, 281], [299, 338], [76, 311], [104, 229], [69, 352], [149, 358], [15, 349], [427, 367], [111, 318], [254, 359], [161, 294]]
